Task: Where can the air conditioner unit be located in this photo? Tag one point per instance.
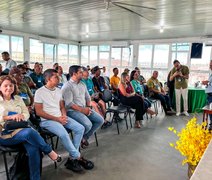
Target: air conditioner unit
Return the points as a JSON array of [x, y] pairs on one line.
[[120, 44]]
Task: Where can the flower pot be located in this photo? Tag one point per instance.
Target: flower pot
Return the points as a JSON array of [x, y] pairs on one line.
[[191, 169]]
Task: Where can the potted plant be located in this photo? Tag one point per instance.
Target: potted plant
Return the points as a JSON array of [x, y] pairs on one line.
[[191, 143]]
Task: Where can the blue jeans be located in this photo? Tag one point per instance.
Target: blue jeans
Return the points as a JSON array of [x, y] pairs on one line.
[[61, 131], [91, 122], [209, 100], [33, 144]]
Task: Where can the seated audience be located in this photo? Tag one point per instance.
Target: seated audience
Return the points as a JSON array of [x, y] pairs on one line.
[[9, 62], [156, 91], [98, 104], [98, 81], [49, 105], [55, 66], [139, 90], [114, 82], [1, 70], [128, 97], [78, 104], [26, 78], [13, 108], [37, 76], [23, 89], [27, 67], [126, 70], [140, 77], [62, 77]]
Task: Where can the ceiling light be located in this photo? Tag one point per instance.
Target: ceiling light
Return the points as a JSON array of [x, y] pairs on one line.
[[87, 35], [161, 29]]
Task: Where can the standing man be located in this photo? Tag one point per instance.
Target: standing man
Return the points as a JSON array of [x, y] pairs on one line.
[[9, 62], [78, 104], [180, 73], [208, 91]]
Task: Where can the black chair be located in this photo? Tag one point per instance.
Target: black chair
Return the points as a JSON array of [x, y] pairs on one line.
[[116, 110], [4, 150]]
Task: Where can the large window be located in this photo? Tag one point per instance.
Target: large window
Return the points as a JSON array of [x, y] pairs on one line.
[[49, 52], [127, 57], [73, 54], [145, 56], [116, 57], [93, 55], [4, 43], [202, 63], [36, 51], [104, 54], [62, 53], [84, 55], [17, 48], [161, 56]]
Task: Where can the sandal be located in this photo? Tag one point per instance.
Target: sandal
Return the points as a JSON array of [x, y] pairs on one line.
[[86, 163], [84, 144]]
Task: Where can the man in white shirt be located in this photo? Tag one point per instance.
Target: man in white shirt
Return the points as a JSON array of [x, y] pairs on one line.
[[49, 105], [9, 62]]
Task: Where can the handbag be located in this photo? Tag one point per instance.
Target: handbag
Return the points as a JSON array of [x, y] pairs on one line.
[[12, 125]]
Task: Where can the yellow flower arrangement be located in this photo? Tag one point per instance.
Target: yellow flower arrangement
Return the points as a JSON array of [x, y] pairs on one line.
[[192, 142]]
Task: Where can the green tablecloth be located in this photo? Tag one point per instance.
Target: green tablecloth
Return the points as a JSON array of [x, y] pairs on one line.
[[196, 99]]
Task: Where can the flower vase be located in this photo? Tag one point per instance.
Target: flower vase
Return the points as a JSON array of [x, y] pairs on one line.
[[191, 169]]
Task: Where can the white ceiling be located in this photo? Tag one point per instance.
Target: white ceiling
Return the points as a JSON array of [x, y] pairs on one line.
[[72, 19]]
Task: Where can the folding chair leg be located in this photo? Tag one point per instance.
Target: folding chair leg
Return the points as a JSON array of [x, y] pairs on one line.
[[6, 166], [125, 118], [117, 123], [56, 142], [130, 120], [97, 143], [52, 143]]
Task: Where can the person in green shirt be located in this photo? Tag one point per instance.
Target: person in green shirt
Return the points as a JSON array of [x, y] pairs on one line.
[[134, 79], [180, 73], [157, 92]]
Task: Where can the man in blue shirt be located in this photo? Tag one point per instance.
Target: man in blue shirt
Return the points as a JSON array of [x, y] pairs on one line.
[[37, 76]]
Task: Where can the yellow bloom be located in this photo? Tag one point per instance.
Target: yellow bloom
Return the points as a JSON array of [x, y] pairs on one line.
[[192, 141]]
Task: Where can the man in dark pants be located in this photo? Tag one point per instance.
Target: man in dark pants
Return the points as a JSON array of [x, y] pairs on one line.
[[208, 91], [157, 92]]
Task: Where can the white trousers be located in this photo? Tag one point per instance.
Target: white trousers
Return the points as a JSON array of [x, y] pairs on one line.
[[184, 93]]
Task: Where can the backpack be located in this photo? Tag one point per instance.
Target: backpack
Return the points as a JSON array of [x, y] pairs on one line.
[[20, 168]]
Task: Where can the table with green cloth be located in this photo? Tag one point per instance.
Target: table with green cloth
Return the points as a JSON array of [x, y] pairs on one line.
[[196, 100]]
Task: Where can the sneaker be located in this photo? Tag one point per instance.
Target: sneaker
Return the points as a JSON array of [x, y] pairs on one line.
[[185, 113], [73, 164], [86, 164], [178, 114]]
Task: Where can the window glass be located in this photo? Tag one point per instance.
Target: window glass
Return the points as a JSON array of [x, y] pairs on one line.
[[62, 52], [73, 54], [104, 48], [93, 55], [145, 56], [116, 57], [161, 56], [49, 52], [202, 63], [36, 51], [4, 43], [17, 48], [103, 58], [84, 55], [126, 57]]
